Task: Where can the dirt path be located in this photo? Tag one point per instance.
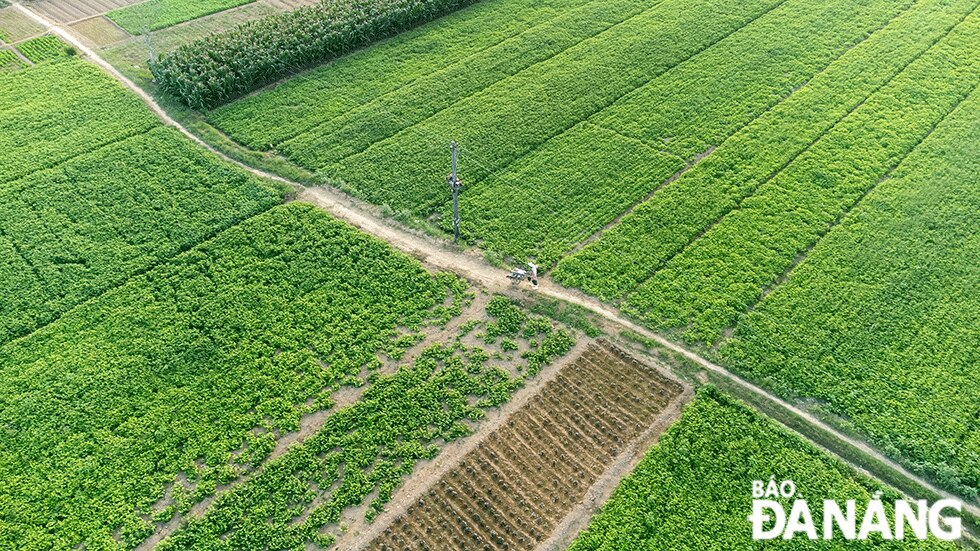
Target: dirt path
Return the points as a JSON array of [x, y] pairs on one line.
[[472, 266]]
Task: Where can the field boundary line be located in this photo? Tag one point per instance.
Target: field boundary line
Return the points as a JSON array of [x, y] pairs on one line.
[[475, 268], [751, 192]]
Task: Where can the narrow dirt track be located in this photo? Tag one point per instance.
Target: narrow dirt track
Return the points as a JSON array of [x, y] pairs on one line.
[[473, 267]]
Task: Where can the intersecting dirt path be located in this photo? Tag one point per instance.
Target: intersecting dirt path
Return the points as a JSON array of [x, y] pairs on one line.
[[439, 255]]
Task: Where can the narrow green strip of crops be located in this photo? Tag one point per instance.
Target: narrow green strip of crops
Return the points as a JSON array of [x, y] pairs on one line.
[[706, 287], [625, 255], [271, 116], [694, 488], [217, 350], [880, 321], [159, 14], [391, 113], [45, 48], [9, 61]]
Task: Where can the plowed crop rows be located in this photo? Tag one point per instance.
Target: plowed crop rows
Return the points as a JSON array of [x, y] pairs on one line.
[[514, 489]]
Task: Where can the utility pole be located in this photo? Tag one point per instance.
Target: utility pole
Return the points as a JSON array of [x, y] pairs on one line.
[[454, 184]]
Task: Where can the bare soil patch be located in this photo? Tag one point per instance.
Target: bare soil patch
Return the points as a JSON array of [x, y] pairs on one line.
[[15, 26], [69, 11], [99, 31], [523, 480]]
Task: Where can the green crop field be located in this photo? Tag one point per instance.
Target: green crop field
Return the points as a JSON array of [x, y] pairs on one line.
[[173, 371], [108, 193], [692, 489], [680, 176], [159, 14], [879, 322], [44, 48], [777, 198]]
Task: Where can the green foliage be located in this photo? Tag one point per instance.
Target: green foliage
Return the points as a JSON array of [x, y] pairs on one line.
[[219, 68], [173, 370], [9, 61], [879, 322], [712, 281], [72, 232], [629, 253], [158, 14], [446, 46], [369, 446], [56, 111], [45, 48], [693, 490]]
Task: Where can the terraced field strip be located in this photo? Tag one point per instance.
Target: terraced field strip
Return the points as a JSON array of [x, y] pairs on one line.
[[706, 286], [627, 254], [269, 117], [522, 480]]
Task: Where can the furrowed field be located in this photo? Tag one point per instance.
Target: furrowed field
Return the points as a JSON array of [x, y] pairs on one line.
[[680, 176]]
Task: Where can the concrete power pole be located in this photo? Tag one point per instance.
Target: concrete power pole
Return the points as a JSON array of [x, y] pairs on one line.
[[454, 184]]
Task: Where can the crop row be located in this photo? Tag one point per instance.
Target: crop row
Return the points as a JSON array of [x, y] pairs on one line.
[[59, 110], [695, 485], [707, 285], [574, 184], [385, 116], [158, 14], [9, 61], [45, 48], [516, 115], [269, 117], [173, 370], [628, 253], [72, 232], [875, 321], [367, 447], [213, 70]]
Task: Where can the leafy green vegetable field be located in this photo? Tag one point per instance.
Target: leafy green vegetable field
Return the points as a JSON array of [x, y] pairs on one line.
[[158, 14], [106, 197], [170, 372], [880, 321], [44, 48], [692, 490]]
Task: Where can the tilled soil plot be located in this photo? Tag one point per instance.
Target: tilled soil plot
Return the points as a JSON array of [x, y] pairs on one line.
[[515, 488]]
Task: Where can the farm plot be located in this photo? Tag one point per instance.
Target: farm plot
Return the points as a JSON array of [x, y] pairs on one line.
[[15, 26], [68, 11], [159, 14], [511, 491], [97, 204], [296, 106], [9, 61], [629, 252], [363, 451], [880, 322], [57, 111], [707, 285], [693, 489], [45, 48], [221, 350]]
